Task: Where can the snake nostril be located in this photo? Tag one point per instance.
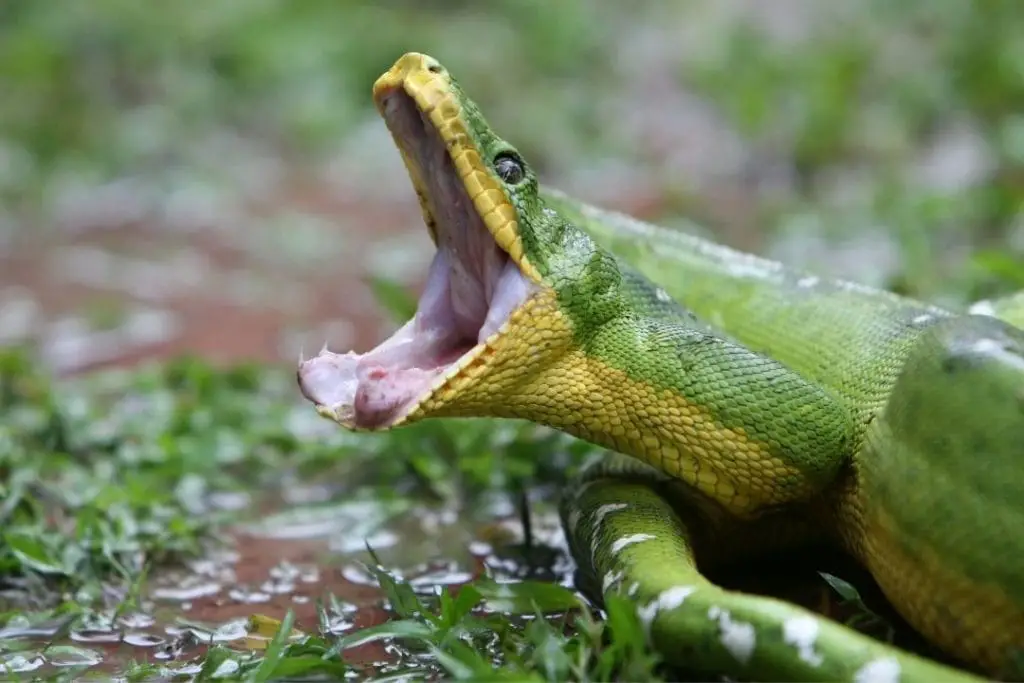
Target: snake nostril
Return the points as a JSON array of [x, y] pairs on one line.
[[435, 68]]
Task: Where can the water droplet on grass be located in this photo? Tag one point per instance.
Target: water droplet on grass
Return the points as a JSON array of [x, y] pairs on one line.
[[137, 620], [247, 596], [69, 655], [19, 663], [190, 590], [95, 635], [143, 639]]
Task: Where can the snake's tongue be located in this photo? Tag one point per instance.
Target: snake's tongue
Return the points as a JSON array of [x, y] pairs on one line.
[[472, 288]]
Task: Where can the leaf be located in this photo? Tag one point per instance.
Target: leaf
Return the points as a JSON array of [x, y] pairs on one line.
[[404, 601], [33, 553], [458, 668], [469, 597], [292, 667], [72, 655], [623, 623], [215, 656], [262, 630], [275, 651], [845, 590], [466, 663], [404, 628], [1002, 265], [550, 653], [527, 597]]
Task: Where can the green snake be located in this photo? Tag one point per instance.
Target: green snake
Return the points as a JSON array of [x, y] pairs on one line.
[[747, 406]]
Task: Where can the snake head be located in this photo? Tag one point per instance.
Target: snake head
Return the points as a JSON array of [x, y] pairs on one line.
[[471, 186]]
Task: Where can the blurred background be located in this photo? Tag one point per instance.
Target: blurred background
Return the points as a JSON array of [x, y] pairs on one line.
[[211, 177]]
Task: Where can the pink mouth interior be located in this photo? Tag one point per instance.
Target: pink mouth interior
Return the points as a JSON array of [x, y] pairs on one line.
[[472, 287]]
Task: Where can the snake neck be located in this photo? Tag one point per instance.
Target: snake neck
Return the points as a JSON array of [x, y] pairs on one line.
[[662, 390]]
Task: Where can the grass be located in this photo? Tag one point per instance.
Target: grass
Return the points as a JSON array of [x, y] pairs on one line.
[[108, 478], [460, 636]]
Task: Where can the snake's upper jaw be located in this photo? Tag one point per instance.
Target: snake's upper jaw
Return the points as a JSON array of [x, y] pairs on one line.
[[472, 288]]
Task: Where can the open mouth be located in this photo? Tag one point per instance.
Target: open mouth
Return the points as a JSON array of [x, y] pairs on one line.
[[472, 287]]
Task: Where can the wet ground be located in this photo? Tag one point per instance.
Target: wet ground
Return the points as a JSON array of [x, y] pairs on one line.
[[304, 562]]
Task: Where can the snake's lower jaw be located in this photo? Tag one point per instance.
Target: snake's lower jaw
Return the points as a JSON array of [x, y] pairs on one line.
[[379, 389], [337, 413]]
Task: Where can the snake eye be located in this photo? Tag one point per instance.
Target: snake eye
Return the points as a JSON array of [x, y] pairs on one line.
[[509, 168]]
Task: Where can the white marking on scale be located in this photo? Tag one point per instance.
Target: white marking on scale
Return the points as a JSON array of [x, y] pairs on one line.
[[632, 539], [753, 267], [738, 637], [801, 633], [662, 295], [604, 511], [884, 670], [574, 520], [990, 347], [667, 600], [599, 516], [921, 319], [609, 579]]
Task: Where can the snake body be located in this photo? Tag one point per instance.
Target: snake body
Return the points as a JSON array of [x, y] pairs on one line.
[[748, 407]]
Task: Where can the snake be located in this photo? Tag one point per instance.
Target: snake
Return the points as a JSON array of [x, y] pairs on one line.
[[742, 407]]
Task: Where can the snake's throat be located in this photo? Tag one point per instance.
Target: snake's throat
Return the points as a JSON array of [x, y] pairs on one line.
[[472, 287]]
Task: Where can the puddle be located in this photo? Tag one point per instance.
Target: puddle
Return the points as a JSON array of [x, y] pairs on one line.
[[311, 560]]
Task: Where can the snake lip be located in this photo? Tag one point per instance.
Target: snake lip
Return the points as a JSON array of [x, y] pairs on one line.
[[471, 289]]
